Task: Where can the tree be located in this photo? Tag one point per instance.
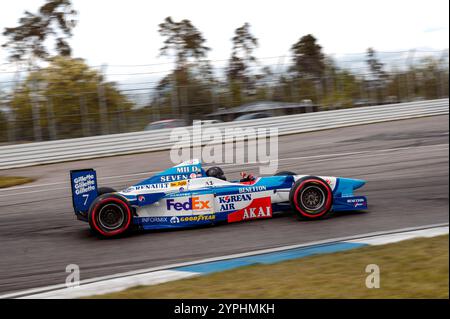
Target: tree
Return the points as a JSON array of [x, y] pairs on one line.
[[244, 43], [239, 77], [184, 39], [192, 71], [66, 95], [308, 57], [3, 117], [375, 66], [27, 41], [378, 75]]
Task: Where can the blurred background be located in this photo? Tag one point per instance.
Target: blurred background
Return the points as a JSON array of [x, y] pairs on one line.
[[74, 69], [47, 94]]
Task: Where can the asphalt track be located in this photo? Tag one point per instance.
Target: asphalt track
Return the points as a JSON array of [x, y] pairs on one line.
[[404, 162]]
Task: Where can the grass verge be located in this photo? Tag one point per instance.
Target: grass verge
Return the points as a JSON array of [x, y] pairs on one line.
[[417, 268], [8, 181]]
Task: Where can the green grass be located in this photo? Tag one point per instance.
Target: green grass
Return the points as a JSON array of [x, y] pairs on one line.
[[8, 181], [417, 268]]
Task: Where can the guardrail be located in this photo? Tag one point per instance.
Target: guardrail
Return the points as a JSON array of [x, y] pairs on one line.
[[13, 156]]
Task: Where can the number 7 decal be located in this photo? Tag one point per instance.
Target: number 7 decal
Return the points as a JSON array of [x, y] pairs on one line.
[[85, 196]]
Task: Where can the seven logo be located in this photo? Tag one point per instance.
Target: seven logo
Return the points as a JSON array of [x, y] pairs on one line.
[[173, 178], [252, 189]]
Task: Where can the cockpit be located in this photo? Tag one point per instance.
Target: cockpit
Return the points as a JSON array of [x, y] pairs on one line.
[[217, 172]]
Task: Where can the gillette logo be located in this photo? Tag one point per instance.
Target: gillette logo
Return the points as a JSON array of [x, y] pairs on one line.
[[194, 203]]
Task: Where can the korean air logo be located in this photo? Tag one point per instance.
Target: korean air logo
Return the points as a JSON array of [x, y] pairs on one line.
[[174, 220], [234, 198]]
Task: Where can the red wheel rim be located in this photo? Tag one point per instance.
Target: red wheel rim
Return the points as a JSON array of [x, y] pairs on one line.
[[327, 202], [119, 230]]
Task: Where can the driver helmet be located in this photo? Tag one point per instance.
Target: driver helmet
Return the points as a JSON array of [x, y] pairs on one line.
[[216, 172]]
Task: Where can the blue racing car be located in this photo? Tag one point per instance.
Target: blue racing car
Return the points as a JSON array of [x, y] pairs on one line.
[[186, 195]]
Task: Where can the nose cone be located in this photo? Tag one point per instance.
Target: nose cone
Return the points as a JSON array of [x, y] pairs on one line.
[[357, 183]]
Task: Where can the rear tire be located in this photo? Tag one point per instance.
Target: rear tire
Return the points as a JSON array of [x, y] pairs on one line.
[[311, 198], [105, 190], [110, 215]]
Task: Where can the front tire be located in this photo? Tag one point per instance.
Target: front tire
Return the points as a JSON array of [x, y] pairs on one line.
[[110, 215], [311, 198]]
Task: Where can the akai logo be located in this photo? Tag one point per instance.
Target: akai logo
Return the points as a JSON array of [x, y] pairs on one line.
[[257, 212], [259, 208], [193, 203]]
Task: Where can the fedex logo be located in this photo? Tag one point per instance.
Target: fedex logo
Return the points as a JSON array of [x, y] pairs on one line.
[[194, 203]]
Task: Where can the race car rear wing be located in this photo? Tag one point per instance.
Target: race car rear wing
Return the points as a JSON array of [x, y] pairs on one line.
[[84, 189]]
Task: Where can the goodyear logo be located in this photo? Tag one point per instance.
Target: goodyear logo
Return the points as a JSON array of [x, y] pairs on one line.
[[198, 218]]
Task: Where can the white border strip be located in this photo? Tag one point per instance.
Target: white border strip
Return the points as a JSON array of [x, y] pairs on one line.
[[155, 275]]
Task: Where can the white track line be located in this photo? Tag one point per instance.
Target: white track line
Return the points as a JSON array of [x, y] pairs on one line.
[[334, 155], [115, 281]]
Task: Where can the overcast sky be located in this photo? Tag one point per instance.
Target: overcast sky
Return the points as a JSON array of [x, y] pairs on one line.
[[125, 32]]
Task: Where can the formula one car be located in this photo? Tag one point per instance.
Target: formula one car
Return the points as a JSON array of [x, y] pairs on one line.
[[186, 195]]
